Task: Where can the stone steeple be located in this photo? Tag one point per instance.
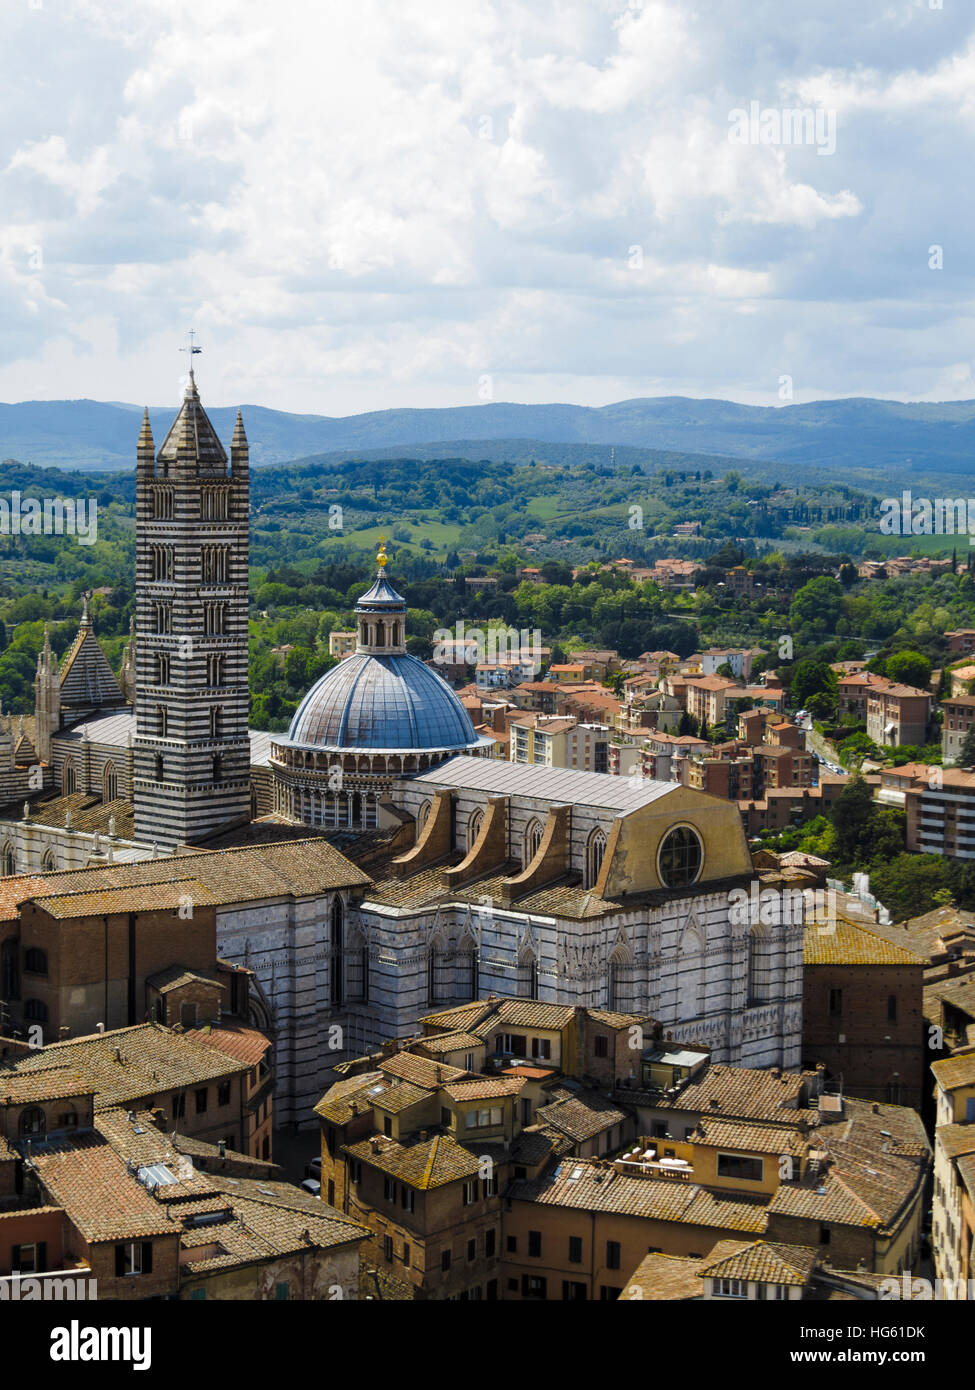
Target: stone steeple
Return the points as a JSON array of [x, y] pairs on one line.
[[127, 678], [47, 700], [191, 756]]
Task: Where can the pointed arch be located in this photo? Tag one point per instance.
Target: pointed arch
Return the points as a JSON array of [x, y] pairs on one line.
[[474, 828], [532, 841], [761, 982], [109, 781], [595, 851], [527, 973], [8, 861], [69, 776], [49, 861]]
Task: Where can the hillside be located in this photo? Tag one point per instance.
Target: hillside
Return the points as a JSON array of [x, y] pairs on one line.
[[886, 440]]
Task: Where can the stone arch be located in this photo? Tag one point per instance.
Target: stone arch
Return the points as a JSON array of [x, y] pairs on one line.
[[474, 823], [109, 782], [527, 972], [49, 861], [595, 851], [69, 776], [532, 840], [8, 860]]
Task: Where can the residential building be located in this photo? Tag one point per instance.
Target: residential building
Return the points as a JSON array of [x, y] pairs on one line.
[[953, 1211], [958, 711]]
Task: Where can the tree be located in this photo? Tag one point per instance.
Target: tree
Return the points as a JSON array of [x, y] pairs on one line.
[[811, 677], [848, 575], [687, 725], [909, 668], [816, 608], [725, 670], [966, 753], [851, 821]]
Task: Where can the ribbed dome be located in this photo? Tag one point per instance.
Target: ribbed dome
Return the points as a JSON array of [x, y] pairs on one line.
[[382, 704]]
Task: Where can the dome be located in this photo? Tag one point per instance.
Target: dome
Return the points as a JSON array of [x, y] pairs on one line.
[[385, 703]]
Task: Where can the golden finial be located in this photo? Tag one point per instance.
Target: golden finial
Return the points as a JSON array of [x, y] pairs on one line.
[[382, 557]]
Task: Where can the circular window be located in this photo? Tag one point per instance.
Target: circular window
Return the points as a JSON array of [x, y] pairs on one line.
[[680, 857]]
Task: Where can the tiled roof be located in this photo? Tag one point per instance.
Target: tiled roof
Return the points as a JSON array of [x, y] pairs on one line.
[[878, 1157], [89, 1180], [464, 1016], [337, 1102], [527, 1013], [850, 944], [672, 1277], [953, 1072], [176, 976], [247, 1045], [764, 1139], [403, 1095], [610, 1019], [422, 1071], [152, 1059], [161, 896], [956, 1139], [450, 1042], [293, 868], [764, 1263], [581, 1116], [597, 1188], [484, 1088], [741, 1092], [424, 1165], [19, 1087]]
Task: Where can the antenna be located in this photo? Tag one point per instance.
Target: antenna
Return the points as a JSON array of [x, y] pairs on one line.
[[192, 349]]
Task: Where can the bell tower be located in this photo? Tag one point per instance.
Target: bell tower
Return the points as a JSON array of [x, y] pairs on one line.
[[191, 760]]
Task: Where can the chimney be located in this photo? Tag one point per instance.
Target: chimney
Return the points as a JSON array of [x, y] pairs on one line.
[[423, 1136], [222, 1147], [374, 1144]]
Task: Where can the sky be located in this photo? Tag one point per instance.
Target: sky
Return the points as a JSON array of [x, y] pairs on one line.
[[360, 205]]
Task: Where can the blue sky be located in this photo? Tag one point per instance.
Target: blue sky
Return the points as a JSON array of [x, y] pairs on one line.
[[360, 205]]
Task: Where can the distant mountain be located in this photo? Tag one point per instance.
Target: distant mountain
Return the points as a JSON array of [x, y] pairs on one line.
[[855, 437]]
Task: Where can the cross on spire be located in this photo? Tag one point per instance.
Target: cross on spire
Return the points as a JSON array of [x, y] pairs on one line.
[[191, 350]]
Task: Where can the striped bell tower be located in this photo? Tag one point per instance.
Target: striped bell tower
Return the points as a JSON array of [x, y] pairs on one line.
[[192, 751]]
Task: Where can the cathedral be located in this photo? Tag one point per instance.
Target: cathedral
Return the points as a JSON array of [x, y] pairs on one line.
[[371, 863]]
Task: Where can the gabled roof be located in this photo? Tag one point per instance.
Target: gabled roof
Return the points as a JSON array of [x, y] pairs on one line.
[[87, 680], [764, 1263]]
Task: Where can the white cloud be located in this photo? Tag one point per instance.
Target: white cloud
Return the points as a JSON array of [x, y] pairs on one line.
[[361, 205]]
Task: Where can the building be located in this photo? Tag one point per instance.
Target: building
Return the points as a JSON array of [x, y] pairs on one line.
[[962, 640], [112, 1207], [897, 714], [953, 1212], [862, 1012], [341, 643], [958, 712], [708, 696]]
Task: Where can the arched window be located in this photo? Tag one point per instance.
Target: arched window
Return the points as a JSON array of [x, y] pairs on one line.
[[533, 838], [421, 815], [32, 1121], [69, 778], [690, 980], [8, 863], [158, 767], [336, 934], [357, 968], [527, 974], [595, 849], [380, 633], [439, 989], [49, 862], [35, 960], [109, 782], [474, 828]]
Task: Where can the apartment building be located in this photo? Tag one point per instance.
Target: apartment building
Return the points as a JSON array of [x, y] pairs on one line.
[[897, 714], [958, 711], [953, 1211], [707, 697]]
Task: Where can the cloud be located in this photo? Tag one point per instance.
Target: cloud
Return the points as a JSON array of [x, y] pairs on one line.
[[362, 205]]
